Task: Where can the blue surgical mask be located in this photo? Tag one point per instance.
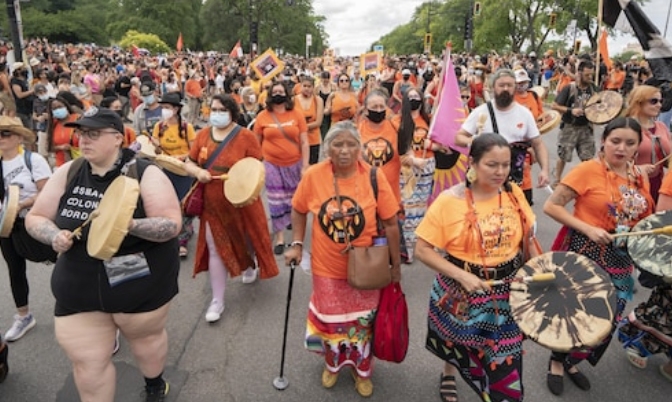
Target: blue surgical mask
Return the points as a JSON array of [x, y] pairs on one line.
[[60, 113], [220, 119], [148, 100]]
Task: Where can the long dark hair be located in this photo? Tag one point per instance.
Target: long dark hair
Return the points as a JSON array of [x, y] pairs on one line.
[[289, 105], [229, 103], [407, 126], [50, 119]]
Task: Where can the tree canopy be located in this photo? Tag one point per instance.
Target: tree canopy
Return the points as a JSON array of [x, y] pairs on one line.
[[205, 25]]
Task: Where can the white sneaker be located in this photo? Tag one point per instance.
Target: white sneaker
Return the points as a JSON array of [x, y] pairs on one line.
[[250, 275], [215, 311], [20, 327]]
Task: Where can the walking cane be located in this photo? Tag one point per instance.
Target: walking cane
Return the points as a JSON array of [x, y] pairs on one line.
[[280, 383]]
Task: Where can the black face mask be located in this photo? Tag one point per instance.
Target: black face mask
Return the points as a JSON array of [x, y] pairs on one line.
[[415, 104], [375, 116], [120, 113], [504, 99], [406, 77], [278, 99]]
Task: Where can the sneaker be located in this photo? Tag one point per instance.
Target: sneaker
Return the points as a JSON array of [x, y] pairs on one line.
[[4, 367], [215, 311], [184, 252], [20, 327], [250, 275], [157, 394], [115, 349]]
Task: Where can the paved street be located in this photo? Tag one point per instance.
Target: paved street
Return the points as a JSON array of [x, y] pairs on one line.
[[236, 359]]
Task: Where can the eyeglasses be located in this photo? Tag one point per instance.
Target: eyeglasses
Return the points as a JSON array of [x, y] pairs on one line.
[[6, 134], [655, 101], [94, 134]]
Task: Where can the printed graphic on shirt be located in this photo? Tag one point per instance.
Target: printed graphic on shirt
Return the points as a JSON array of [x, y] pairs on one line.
[[419, 136], [631, 205], [339, 223], [497, 228], [378, 151], [81, 202]]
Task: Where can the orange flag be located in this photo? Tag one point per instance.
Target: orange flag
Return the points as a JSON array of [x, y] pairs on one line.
[[604, 49], [179, 43], [237, 51]]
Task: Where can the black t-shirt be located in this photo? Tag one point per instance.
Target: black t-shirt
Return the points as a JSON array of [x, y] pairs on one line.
[[123, 91], [573, 97], [23, 105]]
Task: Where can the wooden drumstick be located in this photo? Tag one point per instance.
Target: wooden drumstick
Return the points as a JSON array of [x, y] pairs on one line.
[[545, 277], [77, 233], [482, 118], [224, 176], [665, 230], [660, 162]]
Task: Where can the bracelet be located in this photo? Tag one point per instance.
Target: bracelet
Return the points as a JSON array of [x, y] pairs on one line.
[[296, 243]]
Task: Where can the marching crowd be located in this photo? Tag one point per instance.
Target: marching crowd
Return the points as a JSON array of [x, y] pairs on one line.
[[349, 151]]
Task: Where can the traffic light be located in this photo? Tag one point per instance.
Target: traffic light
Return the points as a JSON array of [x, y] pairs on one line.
[[428, 42], [477, 8], [253, 32], [467, 28], [577, 46], [551, 20]]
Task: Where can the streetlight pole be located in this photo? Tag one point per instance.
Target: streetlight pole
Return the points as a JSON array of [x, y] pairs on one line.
[[14, 15], [669, 8]]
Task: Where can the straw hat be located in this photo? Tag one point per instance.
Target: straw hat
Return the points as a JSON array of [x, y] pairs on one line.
[[14, 125]]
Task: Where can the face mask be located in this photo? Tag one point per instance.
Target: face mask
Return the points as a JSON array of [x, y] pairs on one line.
[[60, 113], [252, 98], [148, 100], [278, 99], [415, 104], [167, 114], [44, 97], [375, 116], [120, 113], [479, 72], [220, 119], [470, 72]]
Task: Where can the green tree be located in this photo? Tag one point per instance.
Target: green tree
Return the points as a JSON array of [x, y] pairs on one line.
[[147, 41]]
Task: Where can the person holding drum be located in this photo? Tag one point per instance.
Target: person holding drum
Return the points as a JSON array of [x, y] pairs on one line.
[[174, 137], [481, 224], [647, 330], [620, 190], [134, 299], [339, 193], [644, 103], [241, 232], [27, 172], [283, 134]]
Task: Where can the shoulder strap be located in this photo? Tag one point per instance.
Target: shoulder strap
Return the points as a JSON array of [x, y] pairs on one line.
[[493, 119], [74, 169], [27, 154], [374, 181], [282, 130], [536, 97], [221, 146]]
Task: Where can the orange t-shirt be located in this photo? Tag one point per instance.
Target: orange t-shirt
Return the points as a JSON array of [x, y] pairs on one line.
[[666, 186], [64, 135], [530, 101], [445, 226], [615, 80], [380, 149], [316, 194], [193, 88], [129, 136], [420, 133], [598, 195], [342, 110], [314, 137], [275, 147], [562, 82]]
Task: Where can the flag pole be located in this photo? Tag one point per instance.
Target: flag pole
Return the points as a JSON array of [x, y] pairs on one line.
[[600, 10]]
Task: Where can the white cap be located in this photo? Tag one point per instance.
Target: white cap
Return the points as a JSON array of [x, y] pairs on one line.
[[17, 65], [405, 72], [34, 62], [533, 54], [521, 76]]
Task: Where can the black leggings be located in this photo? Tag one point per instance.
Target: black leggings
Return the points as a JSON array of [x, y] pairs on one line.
[[17, 272], [314, 154]]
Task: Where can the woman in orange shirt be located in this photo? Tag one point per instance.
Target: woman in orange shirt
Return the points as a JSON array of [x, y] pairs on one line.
[[283, 134], [338, 192], [113, 103], [313, 110], [63, 142], [342, 104], [612, 201]]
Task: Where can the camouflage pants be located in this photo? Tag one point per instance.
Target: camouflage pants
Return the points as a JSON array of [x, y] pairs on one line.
[[580, 138]]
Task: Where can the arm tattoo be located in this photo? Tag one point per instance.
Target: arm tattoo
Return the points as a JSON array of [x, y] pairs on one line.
[[44, 231], [562, 195], [154, 229]]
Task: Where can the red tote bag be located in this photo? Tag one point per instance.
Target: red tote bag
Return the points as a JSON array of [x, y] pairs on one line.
[[390, 328]]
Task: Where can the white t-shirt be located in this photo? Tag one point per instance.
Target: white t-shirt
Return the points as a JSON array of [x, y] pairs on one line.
[[17, 173], [516, 124], [219, 83]]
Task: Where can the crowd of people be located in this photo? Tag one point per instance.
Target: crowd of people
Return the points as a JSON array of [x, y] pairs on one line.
[[354, 151]]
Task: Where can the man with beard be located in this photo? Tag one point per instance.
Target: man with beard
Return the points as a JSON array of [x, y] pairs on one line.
[[512, 121], [576, 133]]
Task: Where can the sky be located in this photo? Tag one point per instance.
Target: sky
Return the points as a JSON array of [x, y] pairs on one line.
[[353, 25]]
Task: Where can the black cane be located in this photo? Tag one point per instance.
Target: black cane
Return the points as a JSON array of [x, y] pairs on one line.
[[280, 383]]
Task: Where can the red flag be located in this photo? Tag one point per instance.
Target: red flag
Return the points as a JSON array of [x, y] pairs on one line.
[[179, 43], [237, 51], [604, 49], [135, 50]]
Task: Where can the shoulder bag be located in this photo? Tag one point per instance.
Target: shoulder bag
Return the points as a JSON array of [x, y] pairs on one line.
[[390, 328]]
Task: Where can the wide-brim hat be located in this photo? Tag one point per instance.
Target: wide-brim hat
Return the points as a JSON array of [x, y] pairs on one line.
[[171, 98], [14, 125]]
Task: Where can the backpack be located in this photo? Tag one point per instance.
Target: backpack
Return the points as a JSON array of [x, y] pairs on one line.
[[145, 77], [390, 327]]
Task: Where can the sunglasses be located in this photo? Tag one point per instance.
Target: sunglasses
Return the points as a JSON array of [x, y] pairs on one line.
[[466, 96], [655, 101], [6, 134]]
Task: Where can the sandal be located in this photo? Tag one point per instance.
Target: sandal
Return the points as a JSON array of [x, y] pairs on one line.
[[448, 388], [635, 358]]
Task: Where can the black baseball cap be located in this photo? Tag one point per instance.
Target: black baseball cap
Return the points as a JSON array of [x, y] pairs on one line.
[[98, 118], [147, 88]]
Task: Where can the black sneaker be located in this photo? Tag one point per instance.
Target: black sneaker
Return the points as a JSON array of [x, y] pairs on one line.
[[4, 367], [157, 394]]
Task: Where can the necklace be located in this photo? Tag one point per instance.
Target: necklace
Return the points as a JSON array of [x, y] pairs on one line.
[[498, 231], [627, 204]]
